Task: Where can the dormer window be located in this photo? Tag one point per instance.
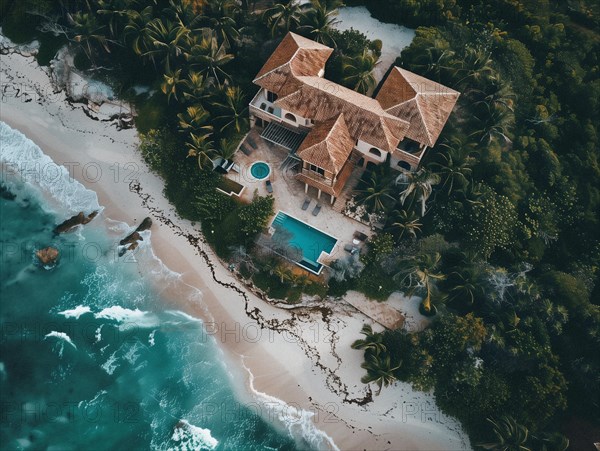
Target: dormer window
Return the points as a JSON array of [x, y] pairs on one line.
[[271, 96]]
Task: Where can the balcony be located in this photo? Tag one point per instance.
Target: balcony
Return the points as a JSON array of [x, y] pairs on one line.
[[262, 107], [410, 151]]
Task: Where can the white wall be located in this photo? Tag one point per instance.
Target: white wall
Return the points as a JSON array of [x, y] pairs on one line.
[[364, 147], [299, 119], [394, 163]]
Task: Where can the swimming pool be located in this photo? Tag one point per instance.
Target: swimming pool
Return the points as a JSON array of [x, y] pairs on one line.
[[307, 240], [260, 170]]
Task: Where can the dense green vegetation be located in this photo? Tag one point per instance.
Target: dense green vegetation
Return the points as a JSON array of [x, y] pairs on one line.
[[498, 231], [509, 248]]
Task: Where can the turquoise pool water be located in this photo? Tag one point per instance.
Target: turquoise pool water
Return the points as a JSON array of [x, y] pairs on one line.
[[308, 241], [260, 170]]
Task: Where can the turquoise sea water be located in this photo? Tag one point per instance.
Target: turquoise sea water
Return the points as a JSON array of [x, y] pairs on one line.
[[90, 358]]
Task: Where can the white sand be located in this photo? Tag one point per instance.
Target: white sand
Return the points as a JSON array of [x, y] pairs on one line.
[[302, 358], [394, 37]]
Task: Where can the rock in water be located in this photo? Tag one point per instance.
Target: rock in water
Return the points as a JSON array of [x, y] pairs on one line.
[[132, 240], [47, 256], [74, 221], [5, 193], [145, 225]]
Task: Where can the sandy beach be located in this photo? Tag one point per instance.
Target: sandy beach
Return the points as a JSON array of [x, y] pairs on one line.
[[300, 356]]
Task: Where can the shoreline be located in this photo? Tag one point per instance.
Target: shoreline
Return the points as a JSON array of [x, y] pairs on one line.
[[301, 357]]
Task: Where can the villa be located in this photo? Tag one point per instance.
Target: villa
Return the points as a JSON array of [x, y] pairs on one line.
[[329, 130]]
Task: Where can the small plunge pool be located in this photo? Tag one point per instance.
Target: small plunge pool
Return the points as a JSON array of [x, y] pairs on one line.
[[260, 170]]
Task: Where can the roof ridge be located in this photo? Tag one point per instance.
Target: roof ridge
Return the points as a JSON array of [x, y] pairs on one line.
[[423, 121], [287, 63]]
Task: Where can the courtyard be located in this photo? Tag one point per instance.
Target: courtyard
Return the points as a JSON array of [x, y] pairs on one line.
[[290, 196]]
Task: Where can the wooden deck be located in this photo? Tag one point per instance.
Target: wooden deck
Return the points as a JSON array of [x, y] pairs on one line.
[[380, 312]]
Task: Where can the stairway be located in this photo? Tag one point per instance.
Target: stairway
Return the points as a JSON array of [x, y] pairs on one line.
[[278, 221]]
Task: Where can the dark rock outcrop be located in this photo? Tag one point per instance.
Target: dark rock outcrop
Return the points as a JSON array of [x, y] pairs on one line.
[[131, 241], [47, 256], [78, 219], [6, 194]]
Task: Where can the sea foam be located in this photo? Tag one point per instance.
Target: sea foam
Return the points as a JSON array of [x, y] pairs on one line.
[[76, 312], [191, 438], [129, 318], [298, 422], [30, 163], [62, 339]]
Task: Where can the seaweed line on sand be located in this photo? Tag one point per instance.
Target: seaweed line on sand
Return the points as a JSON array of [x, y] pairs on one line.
[[333, 381]]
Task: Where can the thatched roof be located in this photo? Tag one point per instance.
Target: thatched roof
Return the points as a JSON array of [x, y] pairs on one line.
[[328, 145], [425, 104]]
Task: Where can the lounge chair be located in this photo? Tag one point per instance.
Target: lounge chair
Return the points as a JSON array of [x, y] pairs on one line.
[[251, 142], [269, 186], [316, 210], [246, 150], [306, 204]]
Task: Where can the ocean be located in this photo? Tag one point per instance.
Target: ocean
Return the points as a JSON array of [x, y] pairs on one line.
[[91, 356]]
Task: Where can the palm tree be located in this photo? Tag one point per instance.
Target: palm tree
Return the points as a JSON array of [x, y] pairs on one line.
[[435, 62], [510, 436], [87, 31], [494, 122], [234, 109], [318, 23], [358, 72], [282, 272], [195, 119], [454, 165], [475, 66], [404, 222], [283, 18], [217, 16], [210, 56], [301, 280], [421, 272], [197, 87], [496, 93], [377, 193], [419, 186], [227, 148], [379, 370], [371, 343], [219, 8], [166, 41], [136, 31], [472, 194], [184, 12], [465, 286], [171, 84], [116, 13], [199, 146]]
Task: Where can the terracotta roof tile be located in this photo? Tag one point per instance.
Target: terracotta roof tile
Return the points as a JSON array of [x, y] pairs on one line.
[[298, 55], [322, 100], [406, 105], [328, 145], [425, 104]]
